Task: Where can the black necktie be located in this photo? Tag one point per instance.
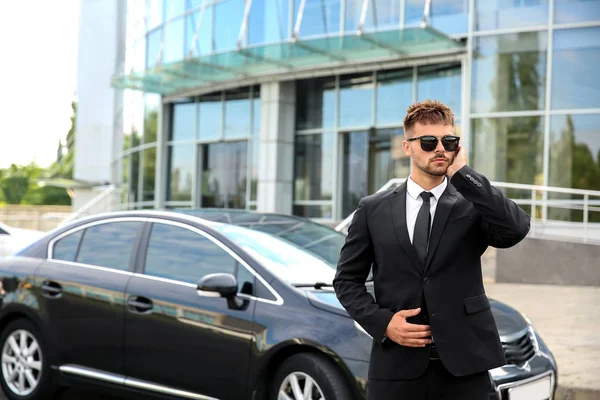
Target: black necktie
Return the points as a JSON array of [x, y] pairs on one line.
[[421, 234]]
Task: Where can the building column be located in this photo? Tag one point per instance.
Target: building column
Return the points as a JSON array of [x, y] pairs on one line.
[[276, 160]]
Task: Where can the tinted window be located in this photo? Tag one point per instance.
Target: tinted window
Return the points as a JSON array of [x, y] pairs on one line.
[[66, 248], [109, 245], [180, 254]]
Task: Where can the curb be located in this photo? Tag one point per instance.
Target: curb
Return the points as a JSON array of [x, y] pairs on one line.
[[575, 393]]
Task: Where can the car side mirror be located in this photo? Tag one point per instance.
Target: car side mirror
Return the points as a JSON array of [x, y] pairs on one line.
[[218, 285]]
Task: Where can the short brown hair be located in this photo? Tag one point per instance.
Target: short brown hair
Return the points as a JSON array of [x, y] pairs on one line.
[[428, 112]]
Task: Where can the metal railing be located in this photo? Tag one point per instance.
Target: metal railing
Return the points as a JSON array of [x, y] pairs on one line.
[[538, 201], [108, 200]]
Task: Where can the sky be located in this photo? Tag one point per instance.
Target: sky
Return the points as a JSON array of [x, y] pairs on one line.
[[38, 77]]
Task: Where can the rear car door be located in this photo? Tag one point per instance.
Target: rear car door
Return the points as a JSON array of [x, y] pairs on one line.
[[177, 339], [82, 285]]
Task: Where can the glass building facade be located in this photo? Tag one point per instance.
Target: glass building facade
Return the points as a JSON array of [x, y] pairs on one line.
[[273, 106]]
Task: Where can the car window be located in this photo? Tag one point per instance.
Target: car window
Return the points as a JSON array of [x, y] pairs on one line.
[[3, 232], [65, 249], [184, 255], [109, 245]]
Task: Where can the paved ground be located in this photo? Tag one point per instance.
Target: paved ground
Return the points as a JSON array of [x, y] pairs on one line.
[[568, 319]]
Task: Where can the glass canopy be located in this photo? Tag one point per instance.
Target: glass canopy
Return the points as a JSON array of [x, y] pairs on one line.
[[300, 54]]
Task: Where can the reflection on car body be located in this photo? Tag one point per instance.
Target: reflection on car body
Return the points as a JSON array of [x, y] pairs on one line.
[[186, 306]]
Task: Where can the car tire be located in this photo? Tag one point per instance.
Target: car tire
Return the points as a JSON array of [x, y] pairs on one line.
[[32, 367], [313, 373]]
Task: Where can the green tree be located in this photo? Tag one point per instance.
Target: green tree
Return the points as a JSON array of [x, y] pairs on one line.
[[15, 182]]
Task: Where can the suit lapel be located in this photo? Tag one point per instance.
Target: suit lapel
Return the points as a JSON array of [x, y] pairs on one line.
[[398, 204], [442, 212]]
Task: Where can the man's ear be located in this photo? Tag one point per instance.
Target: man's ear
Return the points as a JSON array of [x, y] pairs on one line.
[[406, 148]]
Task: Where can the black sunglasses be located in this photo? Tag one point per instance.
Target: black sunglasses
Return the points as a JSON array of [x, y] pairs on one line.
[[429, 142]]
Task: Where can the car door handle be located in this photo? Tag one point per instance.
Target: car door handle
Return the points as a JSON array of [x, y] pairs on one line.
[[51, 289], [139, 304]]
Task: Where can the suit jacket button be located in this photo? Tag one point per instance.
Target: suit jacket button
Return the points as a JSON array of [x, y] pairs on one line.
[[426, 281]]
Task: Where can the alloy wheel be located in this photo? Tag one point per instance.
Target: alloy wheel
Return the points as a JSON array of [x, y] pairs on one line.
[[21, 362], [299, 386]]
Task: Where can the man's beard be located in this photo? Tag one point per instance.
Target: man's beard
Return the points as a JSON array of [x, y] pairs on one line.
[[435, 171]]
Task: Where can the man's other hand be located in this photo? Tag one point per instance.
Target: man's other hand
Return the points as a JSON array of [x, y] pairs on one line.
[[407, 334]]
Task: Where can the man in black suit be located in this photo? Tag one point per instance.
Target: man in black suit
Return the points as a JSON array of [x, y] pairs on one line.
[[434, 335]]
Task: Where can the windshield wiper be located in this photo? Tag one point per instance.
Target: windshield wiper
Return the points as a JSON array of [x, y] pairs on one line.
[[316, 285]]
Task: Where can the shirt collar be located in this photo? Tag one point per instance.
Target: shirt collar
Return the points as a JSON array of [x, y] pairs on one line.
[[414, 190]]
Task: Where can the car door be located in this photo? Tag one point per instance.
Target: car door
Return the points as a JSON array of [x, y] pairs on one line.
[[82, 285], [177, 339]]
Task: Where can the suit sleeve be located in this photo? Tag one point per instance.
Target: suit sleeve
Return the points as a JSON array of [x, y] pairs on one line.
[[503, 222], [354, 265]]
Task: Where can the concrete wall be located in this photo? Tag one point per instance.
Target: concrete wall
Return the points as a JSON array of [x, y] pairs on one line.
[[549, 262], [42, 218]]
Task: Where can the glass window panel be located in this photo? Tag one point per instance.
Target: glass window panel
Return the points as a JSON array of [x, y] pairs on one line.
[[381, 14], [255, 143], [256, 115], [575, 151], [153, 47], [314, 167], [575, 77], [237, 115], [569, 11], [154, 9], [269, 21], [66, 248], [386, 157], [135, 177], [174, 8], [173, 49], [441, 82], [504, 14], [151, 106], [355, 150], [394, 95], [149, 173], [320, 17], [315, 103], [109, 245], [192, 4], [201, 21], [574, 163], [224, 168], [210, 111], [448, 16], [125, 162], [184, 122], [133, 118], [356, 99], [183, 255], [509, 149], [509, 72], [228, 20], [181, 167], [322, 211]]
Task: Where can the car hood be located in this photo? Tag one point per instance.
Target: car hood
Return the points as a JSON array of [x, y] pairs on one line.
[[508, 320]]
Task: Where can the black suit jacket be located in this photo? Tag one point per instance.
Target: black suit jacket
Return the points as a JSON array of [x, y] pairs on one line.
[[470, 216]]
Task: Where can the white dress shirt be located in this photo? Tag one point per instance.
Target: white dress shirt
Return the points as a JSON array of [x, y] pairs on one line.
[[414, 201]]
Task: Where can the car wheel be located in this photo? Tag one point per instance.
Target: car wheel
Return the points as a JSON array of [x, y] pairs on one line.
[[307, 376], [25, 373]]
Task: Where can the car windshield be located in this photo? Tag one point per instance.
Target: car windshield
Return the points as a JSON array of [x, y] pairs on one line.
[[281, 258], [320, 240]]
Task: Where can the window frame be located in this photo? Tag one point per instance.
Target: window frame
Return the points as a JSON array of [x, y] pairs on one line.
[[140, 249], [133, 256]]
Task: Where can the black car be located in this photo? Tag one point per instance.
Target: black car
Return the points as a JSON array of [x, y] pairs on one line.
[[175, 306]]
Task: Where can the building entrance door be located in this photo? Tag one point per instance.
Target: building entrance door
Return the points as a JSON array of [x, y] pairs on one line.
[[370, 158]]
